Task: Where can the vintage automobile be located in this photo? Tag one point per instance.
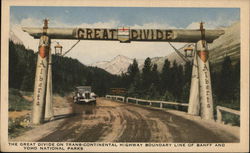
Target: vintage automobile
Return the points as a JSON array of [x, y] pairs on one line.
[[84, 95]]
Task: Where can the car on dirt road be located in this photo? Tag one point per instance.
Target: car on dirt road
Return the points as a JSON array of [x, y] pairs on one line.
[[84, 95]]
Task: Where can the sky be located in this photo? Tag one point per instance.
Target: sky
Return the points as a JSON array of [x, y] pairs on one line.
[[89, 52]]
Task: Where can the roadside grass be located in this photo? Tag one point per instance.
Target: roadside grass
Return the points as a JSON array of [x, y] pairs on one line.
[[18, 126], [17, 103], [229, 118]]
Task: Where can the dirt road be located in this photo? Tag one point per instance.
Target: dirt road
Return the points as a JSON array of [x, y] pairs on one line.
[[118, 122]]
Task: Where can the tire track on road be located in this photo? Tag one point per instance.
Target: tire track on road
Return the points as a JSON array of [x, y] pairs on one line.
[[118, 122], [137, 128]]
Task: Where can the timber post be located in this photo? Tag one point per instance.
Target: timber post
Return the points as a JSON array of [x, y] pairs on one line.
[[206, 99], [39, 101], [49, 114], [194, 102], [201, 99]]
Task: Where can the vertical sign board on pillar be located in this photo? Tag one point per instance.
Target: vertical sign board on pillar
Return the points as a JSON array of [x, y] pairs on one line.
[[41, 81], [49, 103], [206, 99], [194, 101]]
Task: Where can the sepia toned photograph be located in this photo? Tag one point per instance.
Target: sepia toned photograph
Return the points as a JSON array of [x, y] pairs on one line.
[[118, 77]]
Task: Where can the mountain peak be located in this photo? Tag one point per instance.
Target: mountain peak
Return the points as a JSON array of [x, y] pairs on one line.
[[120, 57], [231, 38], [117, 65], [14, 38]]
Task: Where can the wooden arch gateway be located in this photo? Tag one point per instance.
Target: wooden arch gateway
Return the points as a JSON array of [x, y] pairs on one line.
[[200, 99]]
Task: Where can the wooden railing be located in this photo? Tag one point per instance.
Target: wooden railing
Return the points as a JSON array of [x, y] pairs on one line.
[[219, 110], [138, 101], [155, 101], [116, 98]]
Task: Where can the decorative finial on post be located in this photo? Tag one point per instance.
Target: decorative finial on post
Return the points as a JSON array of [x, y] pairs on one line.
[[202, 33], [201, 25], [46, 21], [45, 25]]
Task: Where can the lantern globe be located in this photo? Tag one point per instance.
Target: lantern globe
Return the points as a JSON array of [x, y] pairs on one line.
[[58, 49]]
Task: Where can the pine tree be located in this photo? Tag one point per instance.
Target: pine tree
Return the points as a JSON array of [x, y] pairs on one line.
[[155, 74], [135, 88], [67, 73], [179, 83], [236, 80], [156, 78], [133, 70], [172, 79], [124, 83], [13, 61], [146, 74], [165, 76], [187, 81], [176, 80], [226, 87], [153, 92], [188, 72], [134, 79]]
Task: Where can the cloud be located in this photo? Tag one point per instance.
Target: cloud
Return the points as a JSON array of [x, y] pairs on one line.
[[31, 22], [207, 25], [108, 24], [221, 21], [153, 25]]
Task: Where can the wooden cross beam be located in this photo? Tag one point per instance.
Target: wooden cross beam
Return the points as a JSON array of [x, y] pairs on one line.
[[161, 35]]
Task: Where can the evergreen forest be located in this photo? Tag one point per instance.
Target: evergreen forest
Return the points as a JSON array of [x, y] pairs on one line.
[[170, 84]]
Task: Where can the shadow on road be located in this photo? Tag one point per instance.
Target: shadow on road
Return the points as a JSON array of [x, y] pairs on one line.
[[83, 108]]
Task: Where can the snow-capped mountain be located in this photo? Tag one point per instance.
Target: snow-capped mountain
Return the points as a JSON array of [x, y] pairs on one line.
[[226, 45], [121, 63], [14, 38], [171, 57], [117, 65]]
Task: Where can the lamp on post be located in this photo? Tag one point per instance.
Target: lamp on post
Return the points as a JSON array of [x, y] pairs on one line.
[[189, 51], [58, 49]]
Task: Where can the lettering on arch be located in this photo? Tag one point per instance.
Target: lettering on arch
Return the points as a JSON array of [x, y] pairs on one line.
[[151, 35], [134, 34], [96, 34]]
